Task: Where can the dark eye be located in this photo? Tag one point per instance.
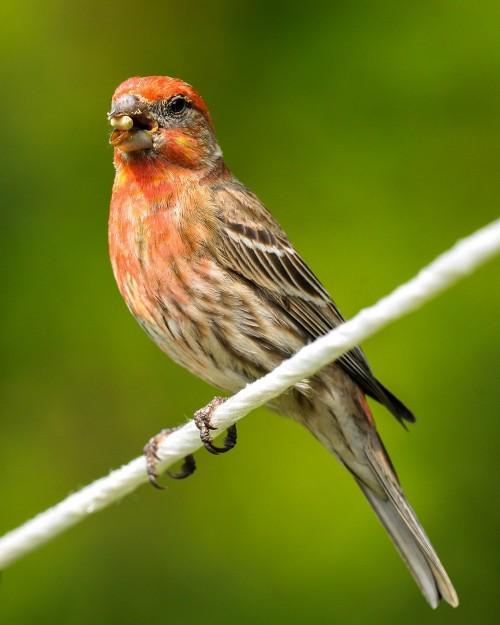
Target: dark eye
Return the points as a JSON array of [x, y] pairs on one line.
[[177, 105]]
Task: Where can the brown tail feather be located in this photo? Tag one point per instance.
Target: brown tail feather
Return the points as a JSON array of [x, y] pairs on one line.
[[409, 537]]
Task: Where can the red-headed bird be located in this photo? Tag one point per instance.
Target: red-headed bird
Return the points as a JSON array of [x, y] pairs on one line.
[[215, 282]]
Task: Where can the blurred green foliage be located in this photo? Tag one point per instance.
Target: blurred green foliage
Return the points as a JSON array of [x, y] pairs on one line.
[[372, 131]]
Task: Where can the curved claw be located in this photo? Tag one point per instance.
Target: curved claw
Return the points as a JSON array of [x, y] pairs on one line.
[[150, 452], [229, 441], [188, 468], [202, 419]]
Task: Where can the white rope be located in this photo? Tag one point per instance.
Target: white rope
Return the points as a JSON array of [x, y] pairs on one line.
[[447, 269]]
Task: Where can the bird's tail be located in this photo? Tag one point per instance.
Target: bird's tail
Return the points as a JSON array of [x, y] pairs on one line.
[[406, 532]]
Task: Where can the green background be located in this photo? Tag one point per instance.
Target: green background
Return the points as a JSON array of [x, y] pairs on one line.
[[372, 131]]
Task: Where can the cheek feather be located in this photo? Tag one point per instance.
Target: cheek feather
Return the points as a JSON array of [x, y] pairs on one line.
[[183, 149]]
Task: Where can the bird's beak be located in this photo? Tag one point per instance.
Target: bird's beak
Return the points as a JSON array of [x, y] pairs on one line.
[[133, 127]]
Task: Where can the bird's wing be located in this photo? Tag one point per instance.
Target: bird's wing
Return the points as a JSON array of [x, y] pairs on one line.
[[253, 245]]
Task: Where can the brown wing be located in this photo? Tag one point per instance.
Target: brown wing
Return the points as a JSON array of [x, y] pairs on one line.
[[253, 245]]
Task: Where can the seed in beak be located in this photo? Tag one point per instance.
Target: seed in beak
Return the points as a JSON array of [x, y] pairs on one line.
[[124, 122]]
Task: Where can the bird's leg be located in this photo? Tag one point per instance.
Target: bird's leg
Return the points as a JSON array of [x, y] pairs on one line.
[[202, 418], [150, 452]]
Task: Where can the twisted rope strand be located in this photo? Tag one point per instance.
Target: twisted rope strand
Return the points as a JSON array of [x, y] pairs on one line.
[[461, 260]]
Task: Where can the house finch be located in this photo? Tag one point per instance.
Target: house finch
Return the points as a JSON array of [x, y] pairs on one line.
[[215, 282]]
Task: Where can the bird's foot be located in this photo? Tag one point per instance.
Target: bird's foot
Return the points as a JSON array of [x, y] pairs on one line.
[[202, 418], [151, 453]]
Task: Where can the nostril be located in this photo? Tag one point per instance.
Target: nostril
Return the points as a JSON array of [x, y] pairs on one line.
[[125, 105], [129, 112]]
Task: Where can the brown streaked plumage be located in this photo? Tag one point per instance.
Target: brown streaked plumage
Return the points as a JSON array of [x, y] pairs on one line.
[[215, 282]]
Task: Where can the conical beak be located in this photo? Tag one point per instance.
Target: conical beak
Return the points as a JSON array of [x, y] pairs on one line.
[[133, 127]]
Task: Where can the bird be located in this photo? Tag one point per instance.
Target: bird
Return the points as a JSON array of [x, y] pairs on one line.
[[215, 282]]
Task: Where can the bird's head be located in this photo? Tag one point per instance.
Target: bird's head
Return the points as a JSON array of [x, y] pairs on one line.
[[162, 117]]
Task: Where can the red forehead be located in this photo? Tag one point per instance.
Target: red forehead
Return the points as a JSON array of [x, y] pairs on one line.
[[160, 88]]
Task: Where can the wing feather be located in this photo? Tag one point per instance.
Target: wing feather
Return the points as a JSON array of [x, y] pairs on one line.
[[253, 245]]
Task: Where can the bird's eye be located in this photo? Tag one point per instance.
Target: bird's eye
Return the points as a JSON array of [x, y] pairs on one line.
[[177, 105]]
